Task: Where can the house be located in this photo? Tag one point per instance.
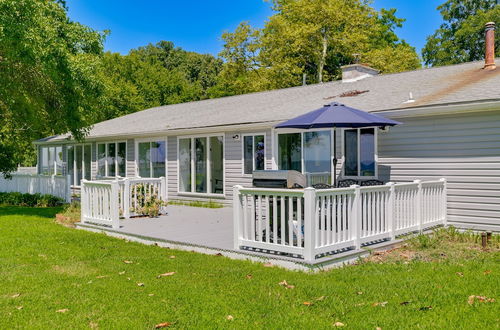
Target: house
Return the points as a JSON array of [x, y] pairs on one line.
[[451, 129]]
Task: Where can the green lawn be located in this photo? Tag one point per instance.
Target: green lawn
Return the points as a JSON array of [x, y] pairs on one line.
[[46, 268]]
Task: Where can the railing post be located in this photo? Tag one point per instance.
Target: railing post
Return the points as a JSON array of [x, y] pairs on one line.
[[164, 189], [355, 219], [309, 224], [445, 201], [115, 207], [236, 216], [126, 198], [390, 211], [418, 202]]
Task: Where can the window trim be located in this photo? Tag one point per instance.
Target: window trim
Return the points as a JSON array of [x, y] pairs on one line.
[[136, 158], [54, 163], [375, 149], [302, 131], [192, 160], [106, 174], [253, 135], [83, 161]]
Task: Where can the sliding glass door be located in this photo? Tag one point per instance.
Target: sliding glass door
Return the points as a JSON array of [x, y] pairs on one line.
[[201, 165]]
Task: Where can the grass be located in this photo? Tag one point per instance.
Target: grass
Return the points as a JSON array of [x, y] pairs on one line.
[[46, 268], [210, 204]]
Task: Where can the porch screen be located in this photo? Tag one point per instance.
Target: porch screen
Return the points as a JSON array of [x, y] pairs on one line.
[[111, 159], [50, 160]]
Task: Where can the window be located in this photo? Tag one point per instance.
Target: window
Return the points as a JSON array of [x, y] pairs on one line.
[[359, 152], [79, 163], [253, 153], [111, 159], [201, 164], [289, 151], [151, 159], [50, 160]]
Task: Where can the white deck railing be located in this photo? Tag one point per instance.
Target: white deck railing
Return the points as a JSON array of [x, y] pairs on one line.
[[104, 202], [54, 185], [310, 223]]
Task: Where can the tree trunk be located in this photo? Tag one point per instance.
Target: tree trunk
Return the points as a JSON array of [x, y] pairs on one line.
[[322, 59]]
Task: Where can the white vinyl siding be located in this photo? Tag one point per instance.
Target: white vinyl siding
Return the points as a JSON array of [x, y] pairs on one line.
[[463, 148]]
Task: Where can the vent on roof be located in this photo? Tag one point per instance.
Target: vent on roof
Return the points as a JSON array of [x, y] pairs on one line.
[[355, 72]]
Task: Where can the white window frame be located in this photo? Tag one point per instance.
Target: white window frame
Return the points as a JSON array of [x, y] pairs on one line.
[[209, 161], [301, 132], [39, 158], [136, 159], [253, 135], [375, 141], [106, 174], [83, 161]]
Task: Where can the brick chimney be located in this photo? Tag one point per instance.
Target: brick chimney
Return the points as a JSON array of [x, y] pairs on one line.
[[489, 56], [355, 72]]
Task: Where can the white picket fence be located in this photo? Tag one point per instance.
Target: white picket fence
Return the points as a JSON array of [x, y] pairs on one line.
[[54, 185], [104, 202], [312, 223]]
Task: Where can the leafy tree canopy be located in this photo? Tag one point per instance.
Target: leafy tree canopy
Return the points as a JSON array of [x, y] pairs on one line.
[[48, 69], [461, 37]]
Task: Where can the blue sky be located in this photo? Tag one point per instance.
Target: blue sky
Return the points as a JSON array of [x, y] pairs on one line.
[[197, 25]]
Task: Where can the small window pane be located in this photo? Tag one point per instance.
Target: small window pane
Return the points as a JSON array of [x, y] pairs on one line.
[[217, 164], [185, 165], [248, 154], [79, 164], [351, 153], [144, 159], [111, 159], [87, 159], [101, 159], [201, 164], [158, 158], [121, 159], [71, 163], [260, 156], [367, 152], [51, 161], [289, 155], [59, 161]]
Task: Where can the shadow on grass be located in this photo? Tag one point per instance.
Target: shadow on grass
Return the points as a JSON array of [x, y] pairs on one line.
[[44, 212]]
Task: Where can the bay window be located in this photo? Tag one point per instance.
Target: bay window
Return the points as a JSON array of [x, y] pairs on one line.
[[253, 153], [151, 159], [201, 164], [359, 152], [111, 159]]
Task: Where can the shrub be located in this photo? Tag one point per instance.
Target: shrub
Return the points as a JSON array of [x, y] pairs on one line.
[[31, 200]]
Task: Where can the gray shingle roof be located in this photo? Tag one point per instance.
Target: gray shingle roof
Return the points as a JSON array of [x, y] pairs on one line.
[[466, 82]]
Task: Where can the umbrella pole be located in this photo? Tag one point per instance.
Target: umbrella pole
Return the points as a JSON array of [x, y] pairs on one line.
[[335, 157]]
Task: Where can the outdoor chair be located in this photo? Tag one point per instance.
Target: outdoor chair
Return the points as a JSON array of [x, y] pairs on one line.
[[371, 183], [346, 183], [321, 186]]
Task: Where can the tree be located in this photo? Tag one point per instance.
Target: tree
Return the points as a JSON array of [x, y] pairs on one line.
[[48, 76], [461, 37], [313, 38]]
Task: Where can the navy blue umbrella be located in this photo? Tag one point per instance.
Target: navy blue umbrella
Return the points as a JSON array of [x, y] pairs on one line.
[[337, 115]]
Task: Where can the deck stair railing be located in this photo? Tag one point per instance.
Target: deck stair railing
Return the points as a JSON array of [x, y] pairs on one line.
[[309, 223], [105, 202]]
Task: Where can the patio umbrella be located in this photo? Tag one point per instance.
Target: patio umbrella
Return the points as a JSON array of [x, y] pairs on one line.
[[337, 115]]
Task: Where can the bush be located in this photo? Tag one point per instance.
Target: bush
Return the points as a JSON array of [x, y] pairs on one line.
[[31, 200]]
